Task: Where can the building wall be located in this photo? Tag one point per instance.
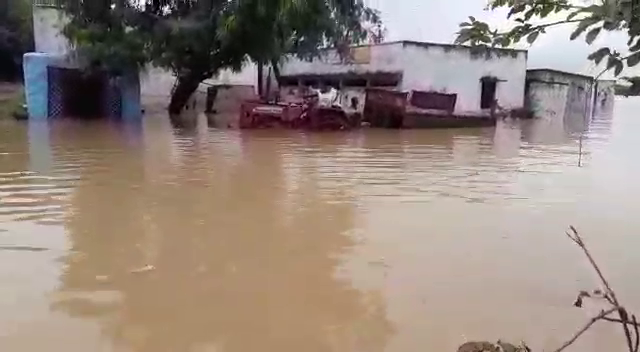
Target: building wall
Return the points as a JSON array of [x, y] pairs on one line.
[[578, 97], [366, 59], [449, 69], [547, 100], [47, 30], [158, 82], [37, 85]]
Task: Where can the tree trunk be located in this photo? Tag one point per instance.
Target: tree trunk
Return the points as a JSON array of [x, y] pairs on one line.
[[260, 80], [186, 86], [276, 71]]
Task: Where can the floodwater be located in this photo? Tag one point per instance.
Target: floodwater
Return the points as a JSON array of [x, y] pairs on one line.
[[121, 237]]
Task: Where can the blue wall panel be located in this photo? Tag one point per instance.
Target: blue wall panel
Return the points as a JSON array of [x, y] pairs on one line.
[[36, 84]]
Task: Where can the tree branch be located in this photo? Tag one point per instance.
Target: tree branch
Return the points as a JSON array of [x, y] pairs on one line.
[[609, 294], [617, 320], [637, 332], [593, 320], [551, 24]]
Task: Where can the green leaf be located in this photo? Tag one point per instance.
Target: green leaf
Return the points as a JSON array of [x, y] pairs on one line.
[[532, 37], [583, 26], [472, 19], [599, 55], [618, 68], [546, 10], [463, 37], [592, 35], [573, 14], [616, 64], [634, 59], [529, 14]]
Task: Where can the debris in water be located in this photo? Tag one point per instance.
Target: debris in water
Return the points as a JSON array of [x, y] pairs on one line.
[[23, 248], [102, 278], [380, 262], [144, 269]]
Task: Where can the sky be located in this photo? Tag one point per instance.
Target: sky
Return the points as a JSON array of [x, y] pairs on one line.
[[437, 21]]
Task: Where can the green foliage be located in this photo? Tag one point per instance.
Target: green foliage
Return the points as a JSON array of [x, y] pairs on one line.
[[200, 37], [16, 36], [11, 100], [105, 36], [590, 21]]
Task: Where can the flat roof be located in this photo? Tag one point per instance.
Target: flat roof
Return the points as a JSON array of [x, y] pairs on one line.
[[559, 72], [442, 45]]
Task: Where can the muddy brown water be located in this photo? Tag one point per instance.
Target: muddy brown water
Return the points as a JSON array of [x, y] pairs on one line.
[[148, 238]]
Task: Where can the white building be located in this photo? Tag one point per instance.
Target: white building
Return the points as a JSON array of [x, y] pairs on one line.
[[477, 76], [48, 22], [553, 94]]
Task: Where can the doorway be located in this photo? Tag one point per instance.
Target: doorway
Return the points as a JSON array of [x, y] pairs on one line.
[[488, 92]]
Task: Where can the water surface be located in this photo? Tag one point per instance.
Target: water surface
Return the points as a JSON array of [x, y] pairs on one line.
[[121, 237]]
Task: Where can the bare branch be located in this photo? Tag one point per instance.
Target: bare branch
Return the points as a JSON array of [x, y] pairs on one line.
[[586, 327], [635, 329], [578, 239], [552, 24], [609, 294], [617, 320]]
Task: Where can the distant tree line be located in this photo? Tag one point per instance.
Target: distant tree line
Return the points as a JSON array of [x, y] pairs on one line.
[[16, 37]]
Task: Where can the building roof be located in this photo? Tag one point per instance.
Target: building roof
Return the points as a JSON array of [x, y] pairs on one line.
[[442, 45], [561, 73]]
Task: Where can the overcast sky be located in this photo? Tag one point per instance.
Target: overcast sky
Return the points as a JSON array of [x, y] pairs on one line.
[[437, 21]]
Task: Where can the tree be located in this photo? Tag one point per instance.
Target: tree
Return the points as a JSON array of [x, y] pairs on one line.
[[16, 36], [195, 39], [532, 18]]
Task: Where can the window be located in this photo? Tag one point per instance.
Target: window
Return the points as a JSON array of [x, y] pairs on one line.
[[488, 92]]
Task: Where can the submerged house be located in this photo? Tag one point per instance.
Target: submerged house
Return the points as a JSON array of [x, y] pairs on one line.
[[553, 93], [56, 85], [461, 80]]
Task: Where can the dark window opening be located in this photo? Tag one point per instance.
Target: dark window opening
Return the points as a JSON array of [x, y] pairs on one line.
[[355, 82], [288, 81], [82, 94], [310, 83], [488, 93], [331, 83], [383, 82], [355, 103]]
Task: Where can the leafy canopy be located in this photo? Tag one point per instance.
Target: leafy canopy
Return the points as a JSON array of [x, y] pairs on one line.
[[533, 17], [16, 35], [200, 37]]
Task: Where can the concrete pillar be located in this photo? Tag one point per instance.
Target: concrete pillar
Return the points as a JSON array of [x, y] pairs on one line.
[[131, 105], [36, 85]]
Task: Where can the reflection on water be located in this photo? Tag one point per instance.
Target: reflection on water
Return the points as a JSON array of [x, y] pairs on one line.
[[165, 237]]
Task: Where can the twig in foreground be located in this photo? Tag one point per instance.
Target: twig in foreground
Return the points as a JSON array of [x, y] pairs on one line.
[[586, 327], [609, 294]]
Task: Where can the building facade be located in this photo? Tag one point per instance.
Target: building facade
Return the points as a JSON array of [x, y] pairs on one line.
[[553, 93], [55, 85], [557, 94], [478, 77]]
